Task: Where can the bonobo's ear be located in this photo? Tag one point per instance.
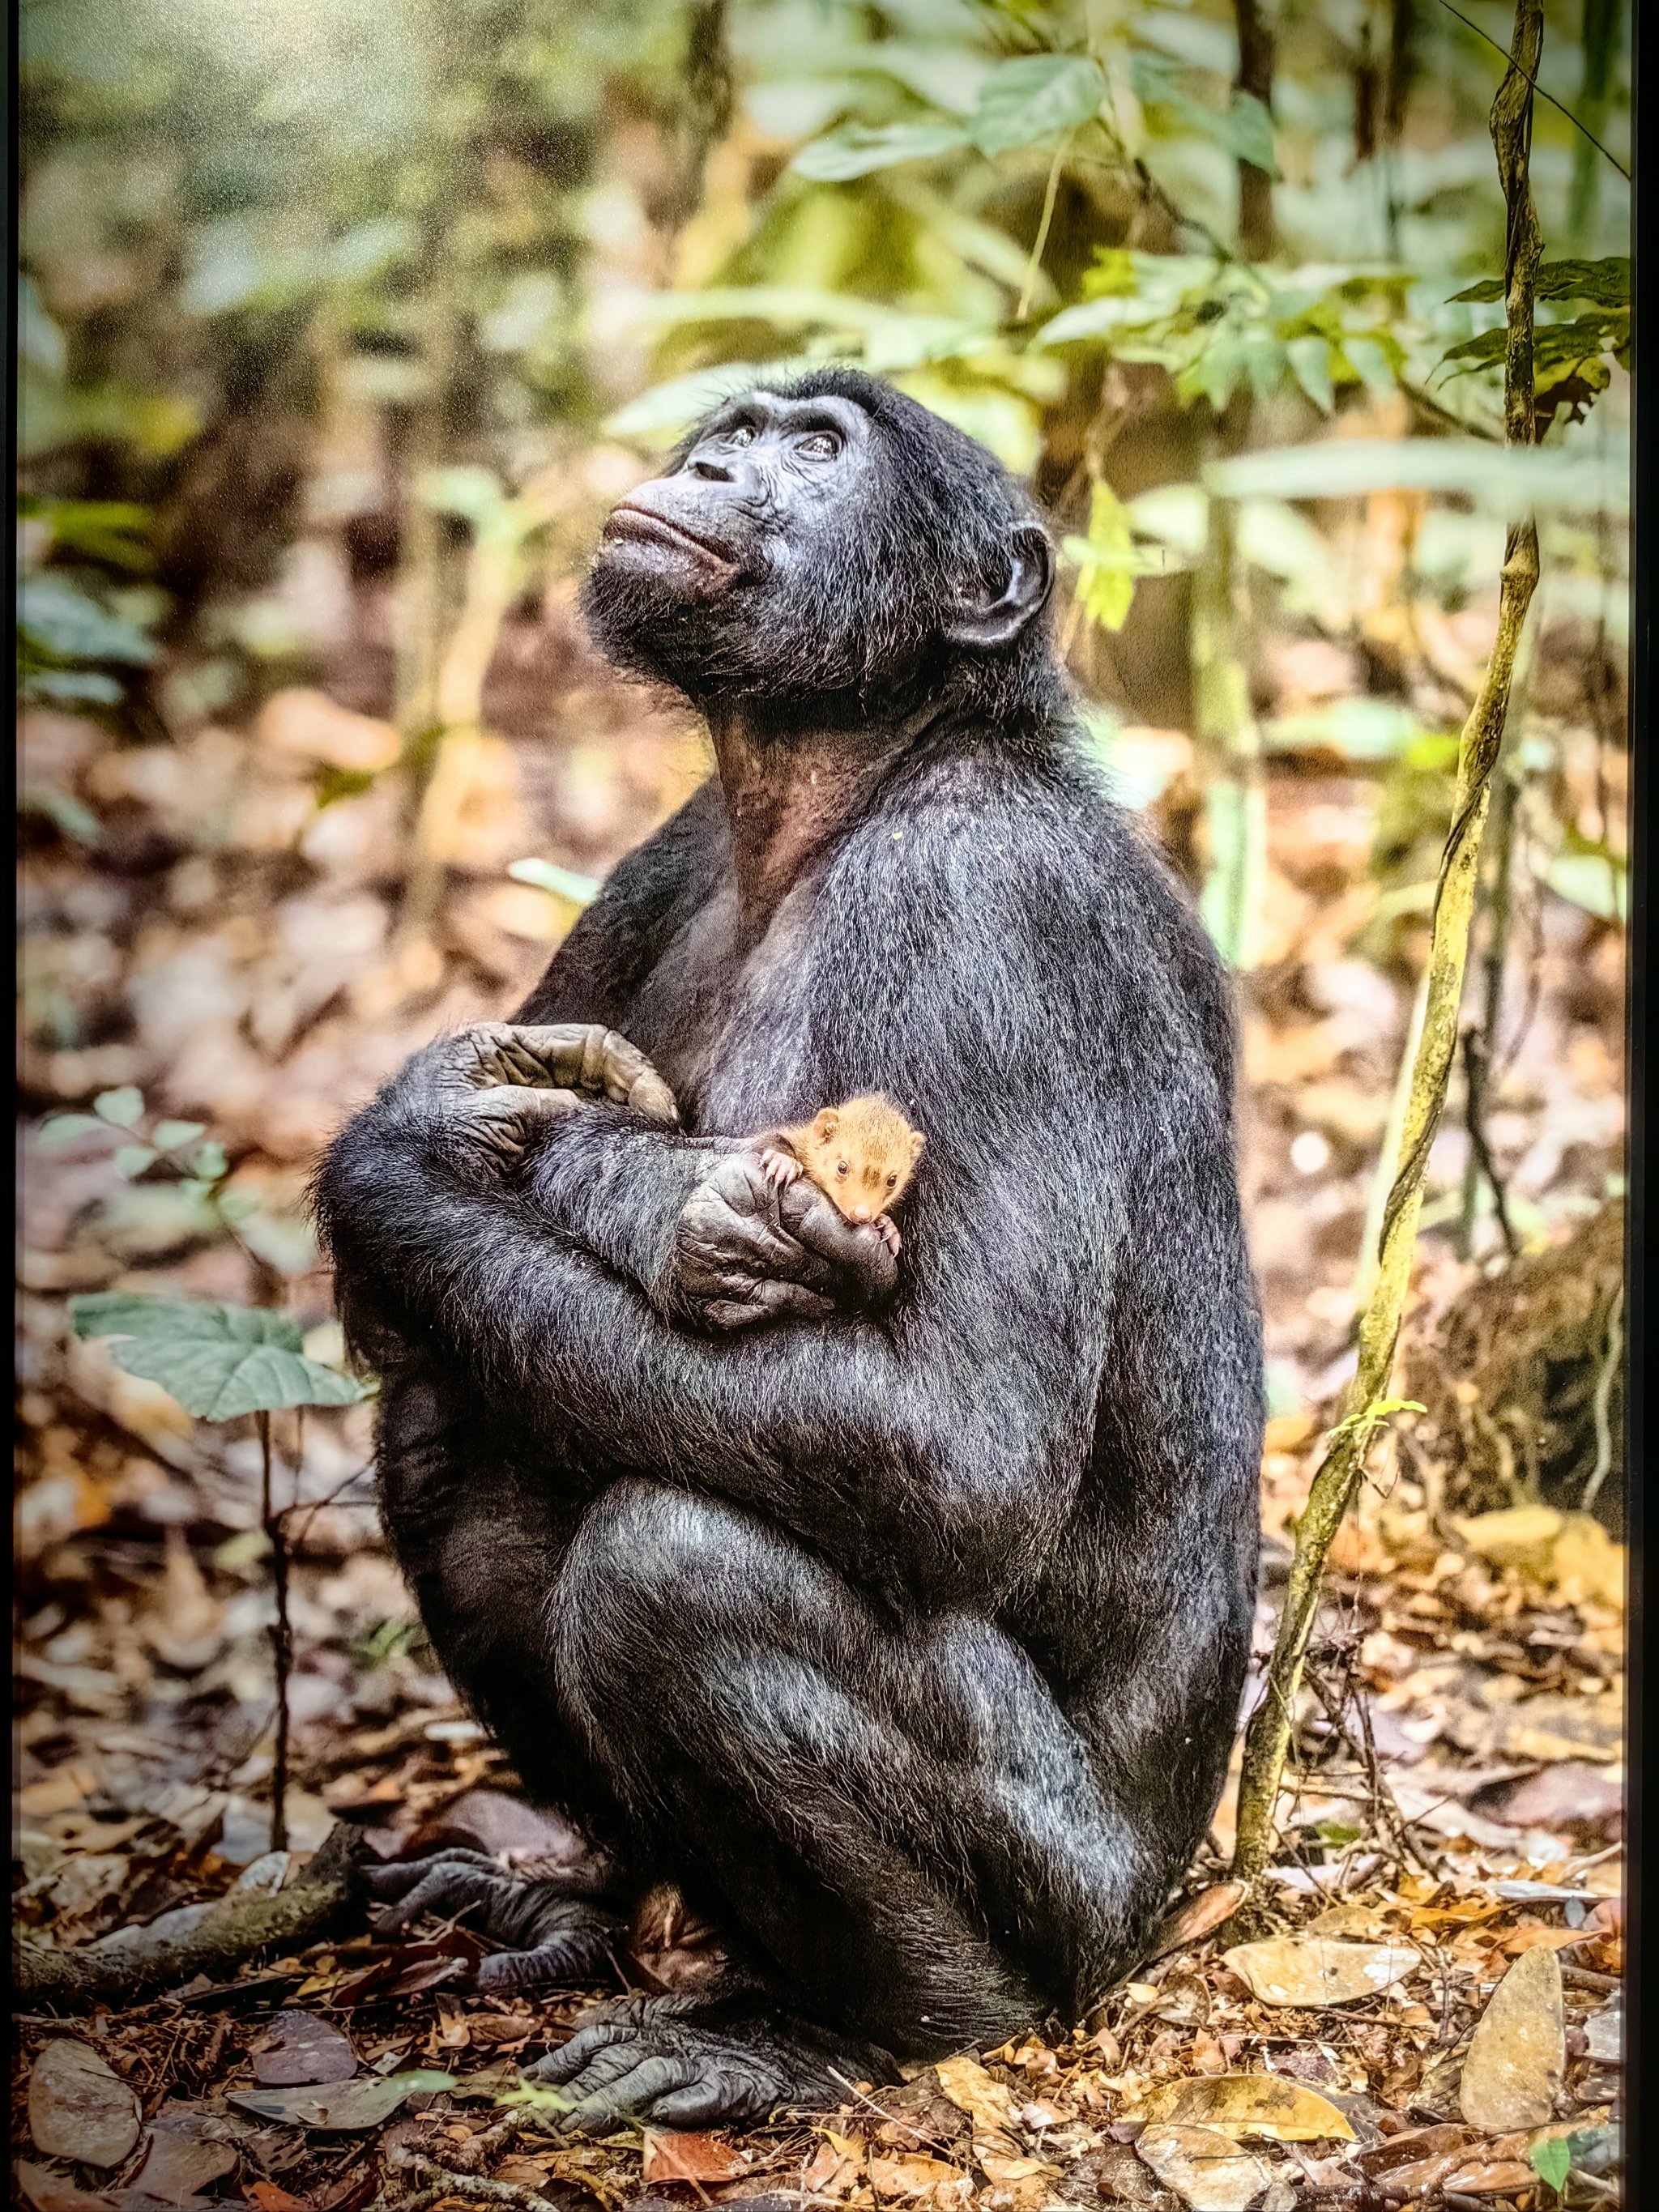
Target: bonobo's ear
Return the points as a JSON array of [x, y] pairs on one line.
[[917, 1140], [825, 1123], [1030, 578]]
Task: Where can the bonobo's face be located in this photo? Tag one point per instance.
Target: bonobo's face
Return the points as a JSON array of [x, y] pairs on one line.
[[768, 486], [820, 549], [737, 571]]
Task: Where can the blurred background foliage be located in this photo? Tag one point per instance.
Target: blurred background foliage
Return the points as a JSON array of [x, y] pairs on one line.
[[341, 328]]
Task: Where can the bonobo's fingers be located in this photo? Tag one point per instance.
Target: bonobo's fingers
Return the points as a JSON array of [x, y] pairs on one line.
[[747, 1250], [570, 1055], [856, 1252], [500, 1124]]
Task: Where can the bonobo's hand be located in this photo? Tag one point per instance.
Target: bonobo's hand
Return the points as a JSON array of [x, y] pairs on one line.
[[498, 1083], [748, 1249]]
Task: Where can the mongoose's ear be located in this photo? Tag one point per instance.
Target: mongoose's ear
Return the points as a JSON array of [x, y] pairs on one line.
[[825, 1124], [917, 1140]]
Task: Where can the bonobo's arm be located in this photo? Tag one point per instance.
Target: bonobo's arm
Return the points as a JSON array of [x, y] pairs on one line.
[[931, 1453]]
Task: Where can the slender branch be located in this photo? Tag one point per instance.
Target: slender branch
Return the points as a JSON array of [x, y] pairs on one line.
[[1539, 89], [1602, 1402], [1257, 235], [281, 1637], [1344, 1465], [1034, 266]]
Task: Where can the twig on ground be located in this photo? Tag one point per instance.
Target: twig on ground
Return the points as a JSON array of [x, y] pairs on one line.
[[444, 2182], [282, 1638], [120, 1969]]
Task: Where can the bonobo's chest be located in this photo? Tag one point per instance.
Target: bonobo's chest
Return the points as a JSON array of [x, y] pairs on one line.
[[730, 1020]]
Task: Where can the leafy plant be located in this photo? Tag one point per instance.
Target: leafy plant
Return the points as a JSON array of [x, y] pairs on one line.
[[218, 1361]]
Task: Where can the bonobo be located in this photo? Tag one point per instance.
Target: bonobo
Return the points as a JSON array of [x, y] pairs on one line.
[[894, 1608]]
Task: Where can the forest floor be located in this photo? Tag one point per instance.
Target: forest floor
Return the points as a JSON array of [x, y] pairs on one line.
[[1427, 2009]]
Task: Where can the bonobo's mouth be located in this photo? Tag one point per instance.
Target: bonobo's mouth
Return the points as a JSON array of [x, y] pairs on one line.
[[644, 523]]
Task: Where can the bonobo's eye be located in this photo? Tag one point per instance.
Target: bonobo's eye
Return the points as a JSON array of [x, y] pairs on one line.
[[840, 1167], [740, 433], [819, 445]]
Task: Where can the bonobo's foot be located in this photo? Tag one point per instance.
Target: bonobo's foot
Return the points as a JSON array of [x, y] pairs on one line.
[[890, 1236], [781, 1168], [551, 1937], [685, 2062]]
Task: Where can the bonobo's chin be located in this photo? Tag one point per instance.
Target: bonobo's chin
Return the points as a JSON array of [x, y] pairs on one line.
[[653, 616]]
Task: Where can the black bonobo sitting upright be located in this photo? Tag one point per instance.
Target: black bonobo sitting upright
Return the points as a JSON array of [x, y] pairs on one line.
[[897, 1610]]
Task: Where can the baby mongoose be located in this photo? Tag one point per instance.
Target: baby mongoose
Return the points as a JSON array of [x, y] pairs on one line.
[[860, 1154]]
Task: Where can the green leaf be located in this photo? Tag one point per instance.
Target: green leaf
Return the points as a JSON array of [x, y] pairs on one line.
[[341, 2107], [1593, 882], [123, 1107], [210, 1163], [856, 150], [64, 812], [75, 687], [564, 882], [1552, 2161], [1310, 358], [65, 1128], [1606, 282], [1243, 129], [1028, 101], [56, 616], [131, 1160], [217, 1361], [173, 1136]]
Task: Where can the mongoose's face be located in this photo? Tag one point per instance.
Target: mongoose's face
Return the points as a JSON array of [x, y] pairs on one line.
[[861, 1155]]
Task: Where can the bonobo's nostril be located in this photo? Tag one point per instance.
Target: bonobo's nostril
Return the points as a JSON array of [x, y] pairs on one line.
[[711, 469]]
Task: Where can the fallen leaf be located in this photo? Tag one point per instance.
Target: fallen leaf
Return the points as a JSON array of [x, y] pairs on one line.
[[1517, 2055], [1491, 2176], [987, 2101], [1198, 1916], [1315, 1972], [301, 2047], [671, 2156], [270, 2198], [307, 725], [79, 2108], [343, 2107], [185, 2150], [920, 2180], [1264, 2105], [1604, 2033], [60, 1791], [528, 2172], [51, 2192], [1206, 2169]]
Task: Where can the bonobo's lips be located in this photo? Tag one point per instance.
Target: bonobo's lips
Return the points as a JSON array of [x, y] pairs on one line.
[[644, 522]]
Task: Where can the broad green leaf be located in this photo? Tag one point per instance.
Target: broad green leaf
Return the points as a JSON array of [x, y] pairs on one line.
[[1029, 101], [856, 150], [1606, 282], [210, 1163], [171, 1136], [65, 1128], [74, 687], [1310, 359], [123, 1107], [131, 1160], [341, 2107], [57, 617], [217, 1361], [564, 882], [1551, 2161]]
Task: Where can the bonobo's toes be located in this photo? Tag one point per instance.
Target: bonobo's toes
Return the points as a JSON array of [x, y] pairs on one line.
[[570, 1951], [652, 2058], [550, 1937]]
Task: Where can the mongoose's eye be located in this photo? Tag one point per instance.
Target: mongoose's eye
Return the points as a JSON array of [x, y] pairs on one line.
[[891, 1180], [840, 1167]]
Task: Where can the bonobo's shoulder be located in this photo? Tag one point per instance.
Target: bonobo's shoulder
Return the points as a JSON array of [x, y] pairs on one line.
[[1038, 823]]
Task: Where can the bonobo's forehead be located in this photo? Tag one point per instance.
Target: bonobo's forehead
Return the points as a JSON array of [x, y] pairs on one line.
[[761, 409]]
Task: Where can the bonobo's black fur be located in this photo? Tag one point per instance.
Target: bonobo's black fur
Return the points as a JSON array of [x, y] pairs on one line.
[[903, 1624]]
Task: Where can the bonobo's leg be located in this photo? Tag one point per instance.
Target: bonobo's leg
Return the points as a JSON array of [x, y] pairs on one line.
[[482, 1546], [902, 1823]]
